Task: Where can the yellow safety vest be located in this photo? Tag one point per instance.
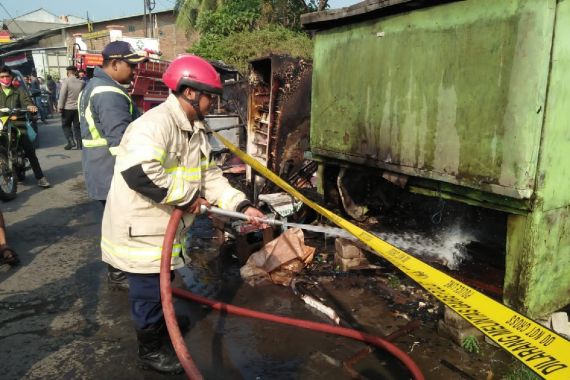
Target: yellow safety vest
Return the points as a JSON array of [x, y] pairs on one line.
[[96, 140]]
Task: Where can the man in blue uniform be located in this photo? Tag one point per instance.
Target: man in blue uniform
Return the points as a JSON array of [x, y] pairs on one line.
[[105, 111]]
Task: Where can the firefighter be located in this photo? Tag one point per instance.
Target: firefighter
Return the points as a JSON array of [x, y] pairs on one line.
[[163, 162], [105, 111]]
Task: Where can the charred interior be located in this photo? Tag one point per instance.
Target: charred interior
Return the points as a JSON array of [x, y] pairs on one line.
[[279, 120], [467, 242]]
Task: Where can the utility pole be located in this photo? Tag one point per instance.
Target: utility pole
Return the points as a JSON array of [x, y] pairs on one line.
[[150, 4], [145, 24]]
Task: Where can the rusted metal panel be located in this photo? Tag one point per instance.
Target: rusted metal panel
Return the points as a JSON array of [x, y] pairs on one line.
[[454, 92], [471, 93], [279, 116], [362, 11]]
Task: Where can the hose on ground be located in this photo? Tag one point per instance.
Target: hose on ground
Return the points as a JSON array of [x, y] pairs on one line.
[[190, 368], [166, 292]]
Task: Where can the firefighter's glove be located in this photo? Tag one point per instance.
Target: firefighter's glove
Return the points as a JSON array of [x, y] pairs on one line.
[[194, 207]]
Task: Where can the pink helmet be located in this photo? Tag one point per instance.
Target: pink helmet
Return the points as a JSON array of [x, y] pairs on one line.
[[192, 71]]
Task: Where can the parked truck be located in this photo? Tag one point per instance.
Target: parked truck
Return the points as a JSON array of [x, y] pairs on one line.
[[147, 89]]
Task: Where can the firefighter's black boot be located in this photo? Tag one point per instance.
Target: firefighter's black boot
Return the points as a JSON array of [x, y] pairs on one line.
[[117, 279], [79, 143], [70, 143], [155, 353]]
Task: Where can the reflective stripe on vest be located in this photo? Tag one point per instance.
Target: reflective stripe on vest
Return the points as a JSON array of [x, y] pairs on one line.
[[96, 139], [144, 153], [148, 253], [181, 175], [228, 198]]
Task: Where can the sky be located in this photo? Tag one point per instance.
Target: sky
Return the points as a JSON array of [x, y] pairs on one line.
[[100, 9]]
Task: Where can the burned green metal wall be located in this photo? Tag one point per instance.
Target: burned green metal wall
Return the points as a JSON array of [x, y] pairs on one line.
[[473, 93], [538, 260], [553, 180], [537, 280], [454, 92]]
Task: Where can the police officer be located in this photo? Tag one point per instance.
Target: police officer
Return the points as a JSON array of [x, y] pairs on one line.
[[67, 106], [105, 111]]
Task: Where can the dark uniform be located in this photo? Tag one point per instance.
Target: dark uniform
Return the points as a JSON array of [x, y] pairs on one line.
[[105, 111]]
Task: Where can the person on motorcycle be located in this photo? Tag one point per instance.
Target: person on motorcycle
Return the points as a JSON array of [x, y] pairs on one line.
[[15, 97], [164, 161], [43, 105]]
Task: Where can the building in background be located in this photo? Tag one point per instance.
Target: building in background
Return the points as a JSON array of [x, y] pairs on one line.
[[49, 47], [37, 21], [161, 34], [20, 45]]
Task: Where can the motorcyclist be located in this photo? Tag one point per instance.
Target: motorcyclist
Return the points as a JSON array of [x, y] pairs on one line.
[[15, 97], [164, 161]]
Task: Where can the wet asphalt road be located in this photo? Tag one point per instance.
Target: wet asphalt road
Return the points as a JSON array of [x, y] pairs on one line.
[[59, 320]]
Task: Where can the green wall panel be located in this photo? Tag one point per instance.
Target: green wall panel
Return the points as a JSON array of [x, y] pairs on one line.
[[453, 92], [537, 280], [554, 164]]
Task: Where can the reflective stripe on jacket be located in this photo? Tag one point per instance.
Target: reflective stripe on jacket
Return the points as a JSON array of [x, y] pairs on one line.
[[105, 111], [162, 162]]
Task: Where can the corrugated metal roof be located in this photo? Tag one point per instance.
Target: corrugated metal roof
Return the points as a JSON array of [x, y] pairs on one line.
[[26, 28], [362, 11]]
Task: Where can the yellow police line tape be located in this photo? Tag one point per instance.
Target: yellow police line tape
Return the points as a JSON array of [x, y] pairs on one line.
[[540, 349]]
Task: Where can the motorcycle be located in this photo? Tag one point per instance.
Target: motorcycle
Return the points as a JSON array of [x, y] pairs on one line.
[[13, 161], [37, 96], [43, 105]]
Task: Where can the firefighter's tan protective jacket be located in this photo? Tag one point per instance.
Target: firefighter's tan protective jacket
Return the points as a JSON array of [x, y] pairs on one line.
[[162, 161]]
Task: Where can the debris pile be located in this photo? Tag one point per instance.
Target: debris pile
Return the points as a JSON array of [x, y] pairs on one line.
[[279, 260], [349, 256]]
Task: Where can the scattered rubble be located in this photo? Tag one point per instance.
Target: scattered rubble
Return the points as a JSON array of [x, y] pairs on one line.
[[456, 328], [279, 260], [349, 256], [314, 303], [559, 323]]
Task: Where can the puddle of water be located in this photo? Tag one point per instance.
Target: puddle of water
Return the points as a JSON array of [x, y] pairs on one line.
[[235, 347], [225, 346]]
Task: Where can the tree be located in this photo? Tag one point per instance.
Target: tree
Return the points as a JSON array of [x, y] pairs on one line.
[[188, 10], [238, 49], [235, 31], [233, 16], [286, 12]]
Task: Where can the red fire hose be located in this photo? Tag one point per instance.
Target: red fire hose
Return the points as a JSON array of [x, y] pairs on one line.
[[190, 368]]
